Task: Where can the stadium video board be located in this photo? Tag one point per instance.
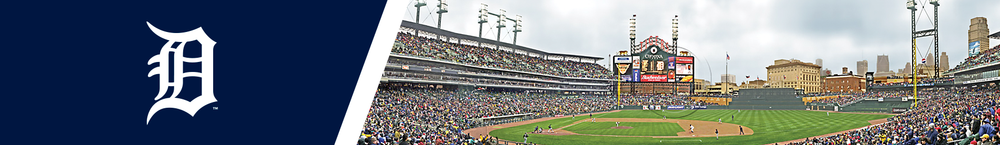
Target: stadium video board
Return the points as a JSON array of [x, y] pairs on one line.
[[655, 61]]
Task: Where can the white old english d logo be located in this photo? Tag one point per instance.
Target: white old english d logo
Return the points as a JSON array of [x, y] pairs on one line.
[[207, 92]]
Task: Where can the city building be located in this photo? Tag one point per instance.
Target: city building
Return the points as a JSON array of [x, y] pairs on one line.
[[730, 78], [755, 84], [862, 67], [794, 74], [907, 70], [700, 84], [723, 88], [826, 72], [819, 62], [844, 71], [944, 61], [977, 33], [882, 66], [844, 84]]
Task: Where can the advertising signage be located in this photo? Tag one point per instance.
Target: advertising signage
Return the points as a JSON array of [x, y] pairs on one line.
[[655, 78], [670, 62], [623, 59], [685, 60], [635, 75], [685, 69], [973, 48]]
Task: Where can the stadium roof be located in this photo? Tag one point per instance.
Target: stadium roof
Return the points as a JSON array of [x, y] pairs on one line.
[[437, 31], [995, 35]]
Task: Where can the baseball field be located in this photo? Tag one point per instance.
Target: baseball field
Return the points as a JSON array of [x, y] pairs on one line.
[[673, 127]]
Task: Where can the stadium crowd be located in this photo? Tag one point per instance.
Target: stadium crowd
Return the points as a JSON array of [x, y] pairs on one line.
[[485, 81], [848, 98], [412, 45], [416, 115], [660, 100], [429, 115], [962, 116], [990, 56], [922, 81]]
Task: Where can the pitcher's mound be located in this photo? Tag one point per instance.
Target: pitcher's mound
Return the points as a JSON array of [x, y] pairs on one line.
[[622, 127]]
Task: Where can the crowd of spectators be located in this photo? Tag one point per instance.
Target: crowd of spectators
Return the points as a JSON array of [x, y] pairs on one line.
[[962, 116], [413, 115], [922, 81], [416, 115], [661, 100], [485, 81], [412, 45], [848, 98], [990, 56]]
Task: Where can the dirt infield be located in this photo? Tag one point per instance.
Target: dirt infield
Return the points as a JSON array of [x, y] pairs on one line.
[[873, 122], [701, 128]]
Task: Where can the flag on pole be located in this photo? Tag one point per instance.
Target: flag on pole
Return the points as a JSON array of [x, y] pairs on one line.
[[727, 56]]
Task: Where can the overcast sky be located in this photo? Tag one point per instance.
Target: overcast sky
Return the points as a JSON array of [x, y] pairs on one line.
[[754, 33]]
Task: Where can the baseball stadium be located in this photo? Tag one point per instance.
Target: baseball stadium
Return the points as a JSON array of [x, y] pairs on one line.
[[442, 87]]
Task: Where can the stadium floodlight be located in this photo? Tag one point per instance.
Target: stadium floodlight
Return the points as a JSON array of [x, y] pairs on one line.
[[483, 14], [631, 28], [517, 24], [910, 5], [419, 4], [503, 19], [443, 6], [935, 2], [675, 27]]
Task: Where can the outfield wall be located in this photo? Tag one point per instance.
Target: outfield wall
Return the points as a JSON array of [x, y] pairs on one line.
[[766, 99]]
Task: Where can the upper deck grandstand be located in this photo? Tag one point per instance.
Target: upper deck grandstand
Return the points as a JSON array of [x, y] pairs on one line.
[[423, 54]]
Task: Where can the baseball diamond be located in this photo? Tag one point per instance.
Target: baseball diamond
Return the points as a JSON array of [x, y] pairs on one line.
[[760, 127]]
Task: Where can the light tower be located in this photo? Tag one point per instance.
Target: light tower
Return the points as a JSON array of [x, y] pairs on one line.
[[483, 18], [517, 28], [442, 8], [501, 22], [632, 46], [419, 4], [914, 34], [631, 34]]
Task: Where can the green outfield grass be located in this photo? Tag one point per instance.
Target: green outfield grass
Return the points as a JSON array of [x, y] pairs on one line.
[[638, 128], [769, 126]]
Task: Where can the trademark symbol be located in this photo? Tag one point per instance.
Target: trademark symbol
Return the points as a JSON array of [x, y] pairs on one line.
[[215, 108]]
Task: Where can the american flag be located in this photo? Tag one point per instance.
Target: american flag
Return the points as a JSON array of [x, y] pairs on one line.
[[727, 56]]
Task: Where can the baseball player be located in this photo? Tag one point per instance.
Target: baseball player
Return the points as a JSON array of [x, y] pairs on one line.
[[827, 113], [732, 118], [616, 124], [692, 128], [550, 127], [716, 134], [741, 130], [525, 137], [720, 120], [592, 117]]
